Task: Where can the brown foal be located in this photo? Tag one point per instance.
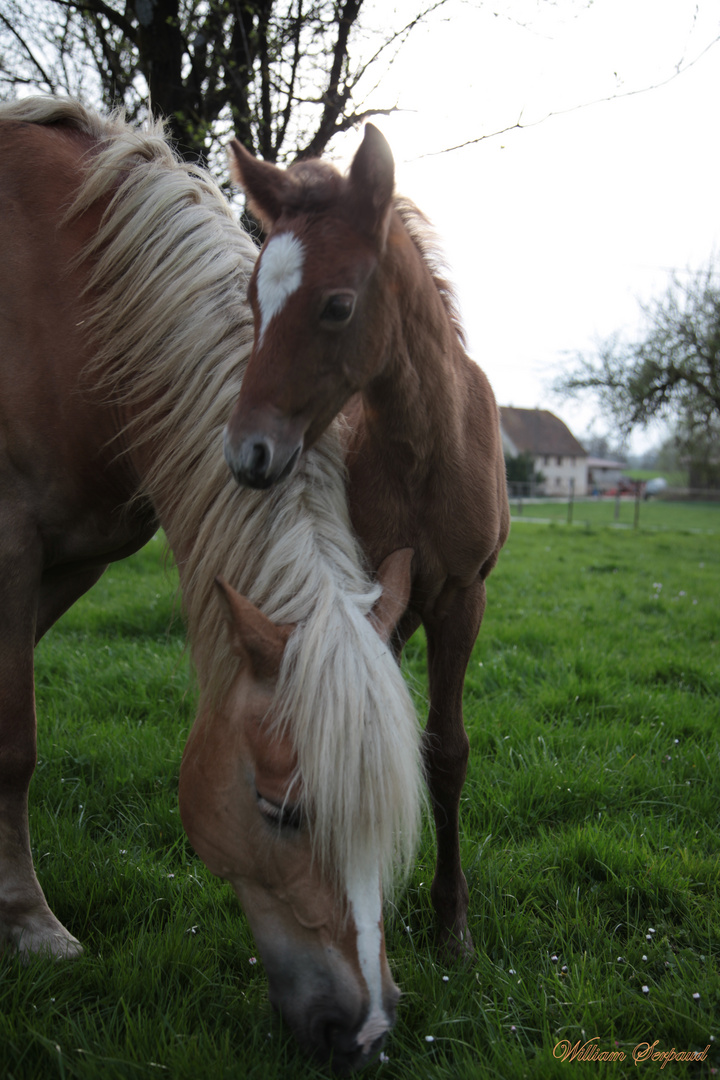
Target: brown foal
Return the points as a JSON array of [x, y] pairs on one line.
[[352, 316]]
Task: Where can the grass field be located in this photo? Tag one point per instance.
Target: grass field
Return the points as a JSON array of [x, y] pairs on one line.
[[591, 818]]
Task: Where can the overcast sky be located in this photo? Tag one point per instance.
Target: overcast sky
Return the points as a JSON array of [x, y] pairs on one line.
[[554, 232]]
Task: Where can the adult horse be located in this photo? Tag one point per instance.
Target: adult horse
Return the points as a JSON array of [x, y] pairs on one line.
[[352, 314], [124, 331]]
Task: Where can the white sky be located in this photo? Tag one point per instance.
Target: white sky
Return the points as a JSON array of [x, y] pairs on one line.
[[553, 233]]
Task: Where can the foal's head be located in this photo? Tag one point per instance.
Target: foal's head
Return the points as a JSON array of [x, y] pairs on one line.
[[321, 323], [243, 805]]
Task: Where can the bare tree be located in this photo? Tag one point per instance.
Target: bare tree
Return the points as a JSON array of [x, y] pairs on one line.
[[281, 74]]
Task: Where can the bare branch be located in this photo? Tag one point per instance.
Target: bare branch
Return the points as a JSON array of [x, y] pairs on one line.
[[520, 126]]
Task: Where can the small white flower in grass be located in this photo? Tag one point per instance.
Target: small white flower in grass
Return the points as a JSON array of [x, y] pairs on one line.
[[383, 1058], [446, 978], [252, 960], [429, 1038], [553, 958], [123, 851], [648, 937], [513, 971], [651, 929], [646, 989], [644, 957], [171, 875], [513, 1029], [696, 996]]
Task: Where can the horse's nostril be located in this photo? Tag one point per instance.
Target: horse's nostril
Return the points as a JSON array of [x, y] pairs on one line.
[[260, 457]]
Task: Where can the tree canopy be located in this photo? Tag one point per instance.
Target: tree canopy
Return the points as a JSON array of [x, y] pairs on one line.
[[285, 76], [670, 371]]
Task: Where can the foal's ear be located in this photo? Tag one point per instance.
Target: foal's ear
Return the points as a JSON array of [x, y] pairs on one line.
[[256, 640], [394, 576], [265, 185], [372, 181]]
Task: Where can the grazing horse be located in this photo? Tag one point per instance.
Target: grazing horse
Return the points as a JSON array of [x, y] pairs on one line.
[[124, 334], [352, 314]]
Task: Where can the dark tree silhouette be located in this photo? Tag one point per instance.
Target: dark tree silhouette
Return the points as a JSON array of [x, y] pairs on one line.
[[283, 75]]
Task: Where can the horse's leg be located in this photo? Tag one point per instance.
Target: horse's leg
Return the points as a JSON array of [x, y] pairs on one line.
[[26, 921], [450, 636]]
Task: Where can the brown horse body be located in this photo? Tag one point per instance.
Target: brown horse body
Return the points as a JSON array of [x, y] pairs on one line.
[[350, 315], [124, 332]]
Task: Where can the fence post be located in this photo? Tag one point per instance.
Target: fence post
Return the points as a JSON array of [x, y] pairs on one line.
[[570, 503], [638, 485]]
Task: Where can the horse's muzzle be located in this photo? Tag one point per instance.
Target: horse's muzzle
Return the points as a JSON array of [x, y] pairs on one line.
[[335, 1037]]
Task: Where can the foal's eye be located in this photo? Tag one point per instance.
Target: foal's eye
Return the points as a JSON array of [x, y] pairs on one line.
[[284, 816], [338, 308]]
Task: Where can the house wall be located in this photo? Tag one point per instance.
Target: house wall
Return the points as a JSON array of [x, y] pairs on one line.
[[559, 472]]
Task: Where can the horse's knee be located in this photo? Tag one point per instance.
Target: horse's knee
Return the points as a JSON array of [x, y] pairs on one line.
[[446, 762]]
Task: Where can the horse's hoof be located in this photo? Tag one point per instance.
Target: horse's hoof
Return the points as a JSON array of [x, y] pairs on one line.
[[44, 937]]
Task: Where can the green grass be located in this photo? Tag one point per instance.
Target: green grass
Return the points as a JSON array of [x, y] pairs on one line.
[[590, 815]]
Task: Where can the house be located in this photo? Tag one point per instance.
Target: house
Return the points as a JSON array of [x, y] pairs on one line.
[[555, 451]]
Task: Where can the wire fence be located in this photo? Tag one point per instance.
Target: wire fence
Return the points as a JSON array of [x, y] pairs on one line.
[[672, 508]]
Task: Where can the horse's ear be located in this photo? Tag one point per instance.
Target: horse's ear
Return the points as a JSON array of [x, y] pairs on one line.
[[372, 181], [394, 576], [255, 639], [264, 184]]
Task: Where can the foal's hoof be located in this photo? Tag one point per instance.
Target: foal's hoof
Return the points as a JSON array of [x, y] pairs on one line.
[[456, 945]]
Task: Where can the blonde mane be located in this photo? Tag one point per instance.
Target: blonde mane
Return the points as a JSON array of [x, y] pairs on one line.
[[427, 243], [173, 332]]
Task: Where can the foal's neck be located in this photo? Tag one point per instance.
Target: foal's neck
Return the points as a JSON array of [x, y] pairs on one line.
[[413, 401]]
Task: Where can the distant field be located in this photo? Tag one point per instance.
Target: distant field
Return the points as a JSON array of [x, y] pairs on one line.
[[653, 514], [590, 828]]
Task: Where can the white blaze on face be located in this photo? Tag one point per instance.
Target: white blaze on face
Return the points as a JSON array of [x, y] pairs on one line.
[[279, 275], [366, 905]]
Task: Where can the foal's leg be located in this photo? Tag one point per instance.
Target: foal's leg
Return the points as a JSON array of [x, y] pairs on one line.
[[26, 921], [450, 636]]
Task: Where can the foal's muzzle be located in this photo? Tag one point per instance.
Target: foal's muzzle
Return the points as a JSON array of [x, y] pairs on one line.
[[259, 461]]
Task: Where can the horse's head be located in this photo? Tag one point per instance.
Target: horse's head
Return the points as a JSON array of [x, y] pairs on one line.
[[314, 296], [243, 808]]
